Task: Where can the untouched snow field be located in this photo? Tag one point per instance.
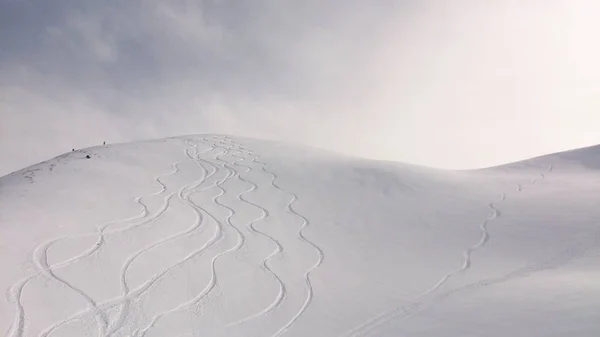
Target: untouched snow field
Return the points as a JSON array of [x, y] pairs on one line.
[[219, 236]]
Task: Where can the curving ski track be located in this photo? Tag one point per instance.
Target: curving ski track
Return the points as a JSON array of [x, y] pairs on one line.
[[264, 263], [320, 258], [415, 304]]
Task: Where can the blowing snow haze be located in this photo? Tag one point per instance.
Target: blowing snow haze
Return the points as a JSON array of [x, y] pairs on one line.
[[449, 84]]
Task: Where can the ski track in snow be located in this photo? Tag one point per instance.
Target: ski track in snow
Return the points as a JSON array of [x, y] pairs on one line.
[[572, 252], [320, 258], [264, 263], [300, 235], [415, 305]]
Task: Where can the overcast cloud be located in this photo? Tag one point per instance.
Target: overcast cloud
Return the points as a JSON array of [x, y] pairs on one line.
[[451, 84]]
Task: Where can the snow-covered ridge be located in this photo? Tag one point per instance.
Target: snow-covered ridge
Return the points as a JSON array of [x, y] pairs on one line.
[[215, 235]]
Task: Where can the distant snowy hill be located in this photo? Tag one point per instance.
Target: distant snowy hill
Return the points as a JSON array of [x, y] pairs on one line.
[[214, 235]]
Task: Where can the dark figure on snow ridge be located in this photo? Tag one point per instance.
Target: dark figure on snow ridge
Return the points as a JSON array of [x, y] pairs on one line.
[[88, 156], [103, 143]]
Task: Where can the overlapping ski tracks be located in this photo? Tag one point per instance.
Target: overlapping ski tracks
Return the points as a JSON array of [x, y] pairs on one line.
[[221, 160], [429, 296]]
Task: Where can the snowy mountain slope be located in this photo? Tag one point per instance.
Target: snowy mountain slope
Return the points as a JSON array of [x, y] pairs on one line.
[[218, 236]]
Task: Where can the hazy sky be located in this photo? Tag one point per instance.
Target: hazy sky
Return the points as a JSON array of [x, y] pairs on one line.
[[446, 83]]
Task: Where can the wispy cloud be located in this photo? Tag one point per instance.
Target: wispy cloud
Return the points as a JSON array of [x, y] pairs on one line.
[[448, 84]]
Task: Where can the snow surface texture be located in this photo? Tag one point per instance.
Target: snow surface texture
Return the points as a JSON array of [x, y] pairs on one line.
[[218, 236]]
